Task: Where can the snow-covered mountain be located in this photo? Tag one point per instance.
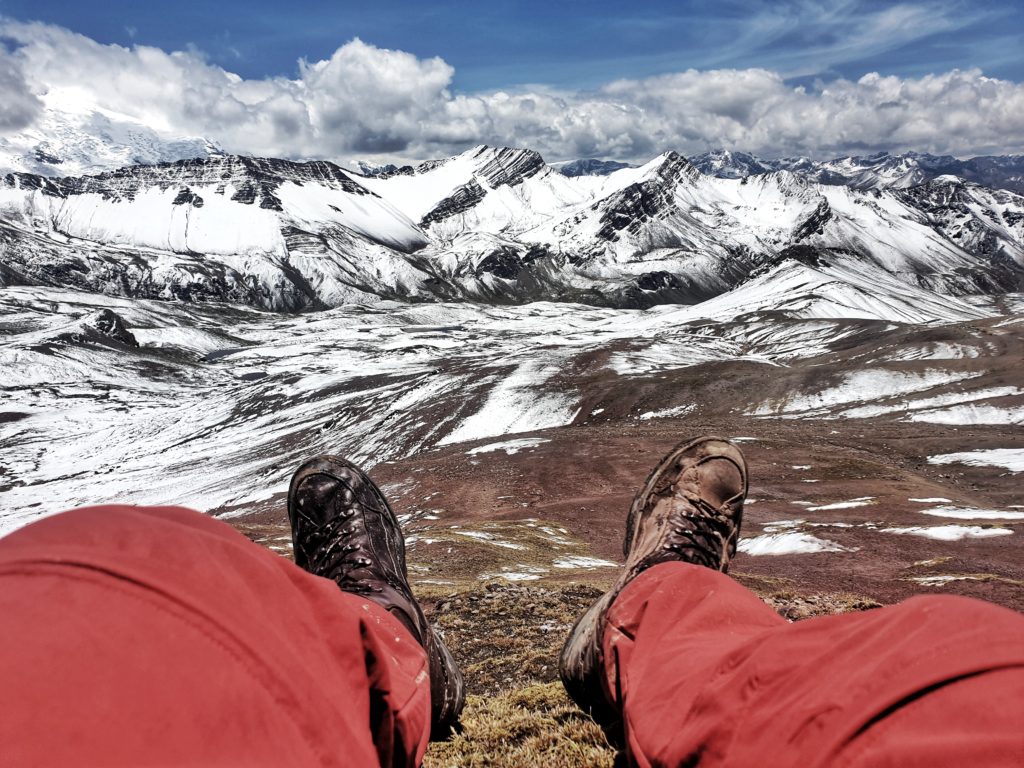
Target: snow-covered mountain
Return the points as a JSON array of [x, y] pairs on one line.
[[492, 224], [269, 233], [878, 171], [72, 137]]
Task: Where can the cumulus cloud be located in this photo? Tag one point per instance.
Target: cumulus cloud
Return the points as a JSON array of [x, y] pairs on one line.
[[368, 102]]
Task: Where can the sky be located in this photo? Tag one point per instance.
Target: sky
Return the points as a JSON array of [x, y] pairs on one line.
[[410, 80]]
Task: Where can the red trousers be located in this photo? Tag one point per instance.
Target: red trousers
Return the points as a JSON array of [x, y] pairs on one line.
[[162, 637], [708, 674]]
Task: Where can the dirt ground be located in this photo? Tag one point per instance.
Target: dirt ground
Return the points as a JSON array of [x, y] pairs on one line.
[[507, 547], [582, 479]]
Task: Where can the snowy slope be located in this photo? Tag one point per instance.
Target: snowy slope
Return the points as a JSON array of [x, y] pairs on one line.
[[147, 401]]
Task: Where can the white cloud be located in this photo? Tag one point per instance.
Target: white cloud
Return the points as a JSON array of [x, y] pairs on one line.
[[368, 102], [20, 105]]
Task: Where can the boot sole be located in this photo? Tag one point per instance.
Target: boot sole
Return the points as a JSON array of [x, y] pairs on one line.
[[669, 460]]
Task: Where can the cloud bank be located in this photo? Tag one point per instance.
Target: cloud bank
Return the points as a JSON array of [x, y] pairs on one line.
[[368, 102]]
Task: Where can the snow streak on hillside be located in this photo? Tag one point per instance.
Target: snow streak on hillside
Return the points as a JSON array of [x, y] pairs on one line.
[[208, 405]]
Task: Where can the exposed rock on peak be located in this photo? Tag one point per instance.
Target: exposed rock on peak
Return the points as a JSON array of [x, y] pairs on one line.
[[101, 327], [632, 207], [505, 165]]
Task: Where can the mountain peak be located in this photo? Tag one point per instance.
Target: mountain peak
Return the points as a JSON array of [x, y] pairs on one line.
[[591, 167]]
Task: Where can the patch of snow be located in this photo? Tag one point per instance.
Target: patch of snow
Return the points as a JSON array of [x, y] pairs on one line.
[[1007, 458], [935, 500], [972, 513], [950, 532], [789, 543], [861, 386], [971, 414], [579, 561], [519, 572], [938, 581], [510, 447], [518, 403], [861, 502], [668, 413]]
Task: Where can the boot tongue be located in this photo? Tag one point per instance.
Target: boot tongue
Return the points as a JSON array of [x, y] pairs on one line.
[[720, 480], [314, 496]]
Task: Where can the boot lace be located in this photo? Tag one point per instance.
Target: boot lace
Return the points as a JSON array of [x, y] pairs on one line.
[[333, 551], [701, 536]]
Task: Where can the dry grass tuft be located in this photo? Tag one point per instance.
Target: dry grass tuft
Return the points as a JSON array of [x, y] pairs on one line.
[[536, 725]]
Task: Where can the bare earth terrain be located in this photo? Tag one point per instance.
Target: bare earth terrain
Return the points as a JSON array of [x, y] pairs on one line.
[[508, 547]]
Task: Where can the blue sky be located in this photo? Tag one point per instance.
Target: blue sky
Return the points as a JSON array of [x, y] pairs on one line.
[[569, 43]]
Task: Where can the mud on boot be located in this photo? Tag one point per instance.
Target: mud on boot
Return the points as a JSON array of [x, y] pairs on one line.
[[688, 510], [344, 530]]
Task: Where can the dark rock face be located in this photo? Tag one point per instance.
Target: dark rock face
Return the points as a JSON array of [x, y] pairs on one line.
[[103, 327], [45, 157], [815, 223], [251, 176], [187, 196], [111, 325], [657, 281], [805, 254], [635, 205], [463, 199], [510, 166], [246, 193], [504, 263], [660, 287]]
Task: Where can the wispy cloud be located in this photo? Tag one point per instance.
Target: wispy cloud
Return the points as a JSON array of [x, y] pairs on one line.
[[811, 37]]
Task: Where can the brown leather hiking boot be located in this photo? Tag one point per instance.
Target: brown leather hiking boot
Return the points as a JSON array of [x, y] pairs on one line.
[[344, 530], [689, 510]]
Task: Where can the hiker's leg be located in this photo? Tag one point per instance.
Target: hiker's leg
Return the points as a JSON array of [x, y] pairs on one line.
[[135, 636], [707, 674]]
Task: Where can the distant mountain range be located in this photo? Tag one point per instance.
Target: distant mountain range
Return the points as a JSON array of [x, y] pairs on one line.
[[492, 224], [878, 171]]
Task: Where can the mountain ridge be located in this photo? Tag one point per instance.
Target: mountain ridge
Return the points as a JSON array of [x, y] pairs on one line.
[[492, 224]]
